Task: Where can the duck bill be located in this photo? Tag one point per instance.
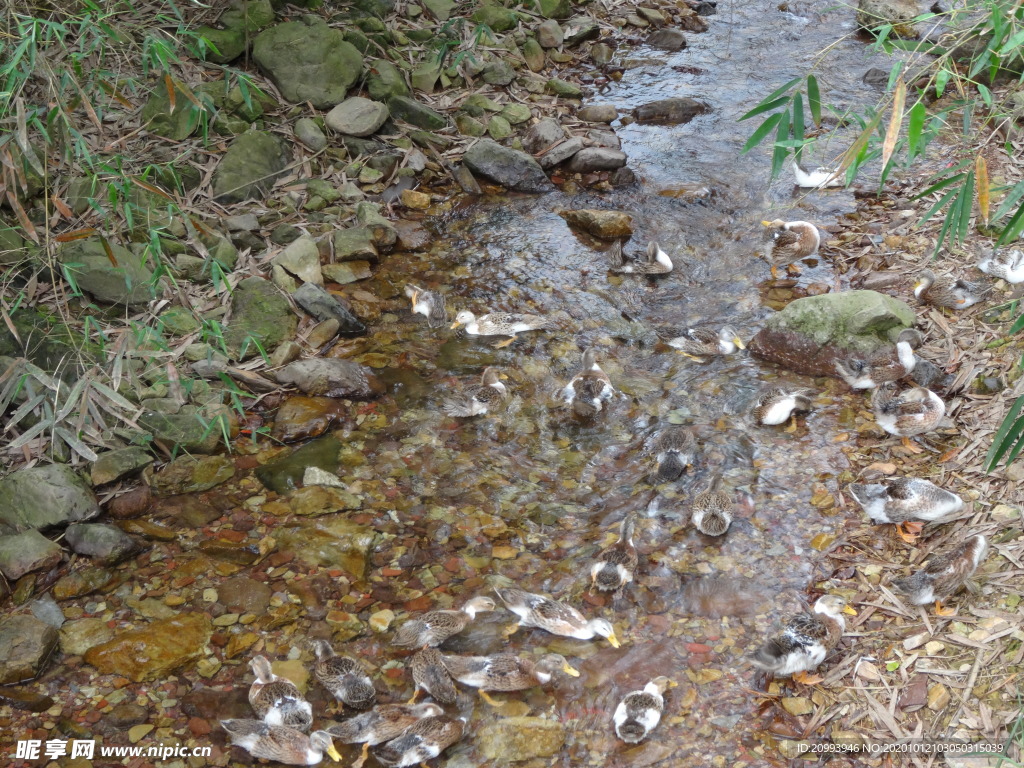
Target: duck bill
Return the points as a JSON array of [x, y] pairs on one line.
[[456, 324], [739, 342], [570, 670], [673, 684], [850, 610], [766, 223], [614, 640], [334, 754]]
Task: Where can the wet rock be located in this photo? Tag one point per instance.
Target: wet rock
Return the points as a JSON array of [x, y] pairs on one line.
[[597, 159], [249, 167], [44, 496], [106, 543], [223, 45], [879, 78], [667, 40], [412, 236], [604, 224], [196, 430], [604, 139], [411, 111], [330, 542], [26, 644], [385, 80], [125, 715], [543, 134], [300, 418], [193, 474], [534, 55], [237, 552], [560, 152], [357, 117], [298, 262], [316, 500], [598, 113], [148, 529], [511, 168], [113, 465], [872, 14], [308, 61], [670, 111], [549, 34], [322, 305], [120, 277], [381, 229], [244, 595], [84, 581], [332, 378], [601, 53], [810, 333], [467, 183], [27, 552], [46, 609], [24, 699], [217, 705], [258, 313], [309, 133], [513, 739], [285, 473], [579, 29], [152, 652]]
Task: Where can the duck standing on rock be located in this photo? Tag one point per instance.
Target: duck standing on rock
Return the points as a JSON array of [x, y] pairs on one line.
[[555, 617], [776, 405], [944, 574], [434, 627], [947, 292], [883, 366], [276, 700], [700, 342], [505, 672], [906, 414], [381, 724], [614, 567], [639, 712], [674, 449], [792, 241], [657, 261], [805, 641], [423, 740], [1005, 264], [343, 677], [905, 502], [280, 743], [480, 399], [500, 324], [589, 389], [427, 303]]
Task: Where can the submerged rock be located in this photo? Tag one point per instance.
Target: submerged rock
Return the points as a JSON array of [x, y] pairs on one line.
[[513, 739], [25, 645], [285, 473], [810, 333], [331, 541], [332, 378], [77, 637], [597, 159], [153, 651], [604, 224], [670, 111], [511, 168], [667, 40], [43, 496], [300, 417], [27, 552]]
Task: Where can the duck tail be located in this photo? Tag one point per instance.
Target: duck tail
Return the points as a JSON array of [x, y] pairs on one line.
[[715, 524], [769, 656], [671, 466]]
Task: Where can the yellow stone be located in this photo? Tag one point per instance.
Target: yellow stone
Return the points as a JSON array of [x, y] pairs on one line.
[[416, 200], [934, 647], [938, 697], [822, 541], [381, 620], [504, 553], [797, 705], [240, 643], [136, 732], [173, 600], [294, 670], [709, 675]]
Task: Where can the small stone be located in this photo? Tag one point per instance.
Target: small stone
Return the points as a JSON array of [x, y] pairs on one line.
[[226, 620], [498, 128], [137, 732], [797, 705], [543, 134], [104, 542], [591, 159], [915, 641], [502, 552], [309, 133], [534, 55], [561, 152], [416, 200], [26, 643], [601, 53], [322, 332], [938, 697], [934, 648], [565, 89], [549, 34], [598, 113], [516, 113], [608, 225], [498, 72], [667, 40], [27, 552], [208, 666], [381, 620]]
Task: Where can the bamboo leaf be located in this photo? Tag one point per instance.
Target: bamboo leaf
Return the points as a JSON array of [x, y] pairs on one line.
[[981, 174], [939, 186], [1013, 227], [779, 153], [798, 122], [24, 410], [1018, 325], [75, 444], [765, 106], [859, 143], [1010, 200], [966, 208], [942, 202], [814, 99], [1008, 433], [762, 131], [32, 434], [895, 121]]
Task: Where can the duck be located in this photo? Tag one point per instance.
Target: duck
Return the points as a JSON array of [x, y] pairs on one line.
[[1005, 264], [639, 712], [776, 405], [434, 627], [946, 292], [657, 262], [944, 575], [500, 324], [276, 700], [613, 568], [505, 672], [906, 501], [696, 342], [427, 303], [818, 178], [805, 641], [674, 449], [552, 616], [882, 366], [711, 511], [380, 724], [343, 677], [908, 413], [280, 743], [480, 399], [429, 675], [589, 389], [792, 241], [424, 740]]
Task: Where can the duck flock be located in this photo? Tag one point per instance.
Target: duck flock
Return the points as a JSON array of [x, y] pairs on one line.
[[406, 734]]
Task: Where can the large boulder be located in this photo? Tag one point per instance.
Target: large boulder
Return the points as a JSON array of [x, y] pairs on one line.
[[811, 333], [152, 652], [509, 167], [25, 645], [44, 496], [249, 167], [308, 61], [108, 271]]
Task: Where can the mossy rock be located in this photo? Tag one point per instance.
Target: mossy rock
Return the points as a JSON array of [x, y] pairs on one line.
[[261, 318], [250, 166], [13, 247], [109, 272], [223, 45], [249, 15], [498, 18], [177, 124], [414, 113]]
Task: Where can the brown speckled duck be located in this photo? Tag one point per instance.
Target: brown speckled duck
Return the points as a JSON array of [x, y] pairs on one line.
[[557, 618], [674, 449], [434, 627], [792, 241], [701, 342], [805, 641], [280, 743], [908, 413], [639, 712], [423, 740], [276, 700], [427, 303], [430, 675], [478, 399], [657, 262], [380, 724], [613, 568], [505, 672], [711, 511], [944, 575], [343, 677], [905, 502], [589, 389], [776, 405], [1007, 264], [885, 365], [946, 291]]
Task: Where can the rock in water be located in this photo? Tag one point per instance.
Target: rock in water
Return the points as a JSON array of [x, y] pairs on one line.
[[511, 168], [670, 111], [810, 333], [609, 225], [106, 543], [331, 378], [25, 645], [27, 552], [153, 651]]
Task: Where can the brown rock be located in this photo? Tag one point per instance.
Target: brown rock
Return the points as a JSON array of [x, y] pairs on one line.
[[217, 705], [331, 378], [25, 645], [300, 417], [131, 504], [155, 650], [604, 224], [244, 595], [412, 236], [125, 715], [670, 111], [81, 582], [24, 699]]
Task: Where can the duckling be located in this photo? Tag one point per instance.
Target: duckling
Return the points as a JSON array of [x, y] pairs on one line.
[[882, 366], [480, 399], [614, 567], [904, 500], [793, 240], [805, 641], [712, 509], [424, 740], [639, 712], [776, 405], [500, 324], [505, 672], [703, 341], [429, 304], [555, 617], [947, 292], [434, 627], [280, 743], [276, 700], [381, 724], [906, 414], [944, 575], [1006, 264], [589, 389], [818, 178], [429, 674], [657, 262], [343, 677], [674, 449]]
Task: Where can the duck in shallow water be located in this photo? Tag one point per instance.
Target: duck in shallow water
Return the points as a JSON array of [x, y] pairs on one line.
[[424, 740], [656, 261], [711, 511], [343, 677], [478, 399], [674, 449], [505, 672], [276, 700], [500, 324], [427, 303], [639, 712], [883, 366], [776, 405], [589, 389], [380, 724], [701, 342], [614, 567], [555, 617], [280, 743]]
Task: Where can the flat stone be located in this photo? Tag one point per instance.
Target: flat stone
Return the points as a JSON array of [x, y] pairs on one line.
[[300, 417], [214, 705], [511, 168], [322, 305], [25, 645], [412, 236], [514, 739], [346, 272], [154, 651], [357, 116], [516, 113], [592, 159], [26, 552], [498, 72], [580, 29], [193, 474], [45, 609], [561, 152], [670, 111], [609, 225], [601, 53], [563, 88], [113, 465], [332, 377], [245, 595], [604, 139], [381, 230], [195, 430], [667, 40], [24, 699], [81, 582], [331, 542], [498, 128], [549, 34], [354, 244], [439, 9], [410, 111], [298, 263], [103, 542], [285, 473], [543, 134], [652, 15], [598, 113], [227, 44], [44, 496], [308, 132]]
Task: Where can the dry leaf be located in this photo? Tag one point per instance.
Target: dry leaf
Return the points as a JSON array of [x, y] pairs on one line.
[[892, 133], [981, 182]]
